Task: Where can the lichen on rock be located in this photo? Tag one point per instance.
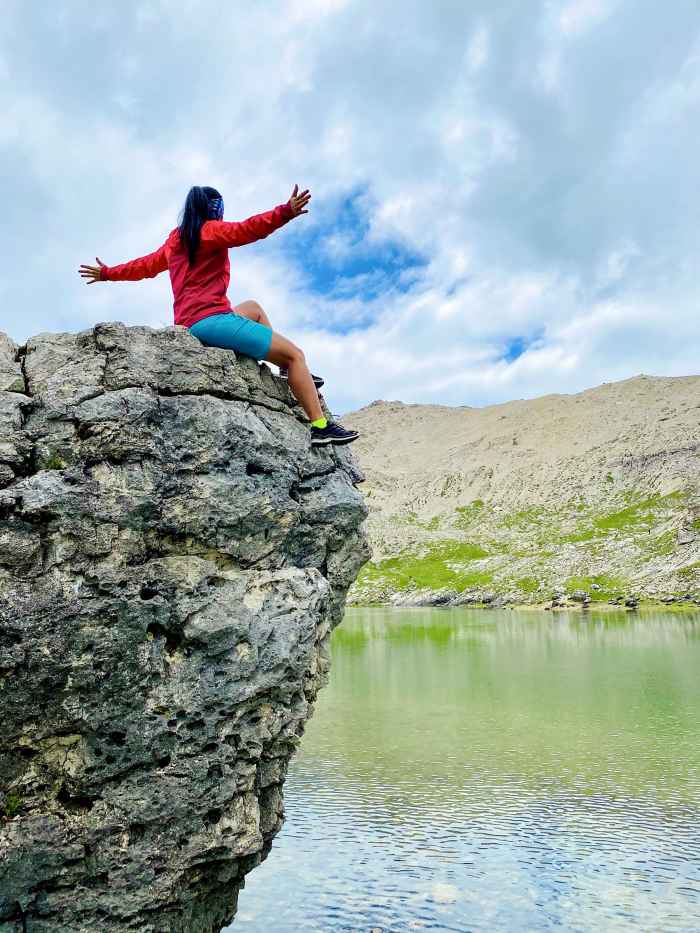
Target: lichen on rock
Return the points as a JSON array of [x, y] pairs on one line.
[[173, 558]]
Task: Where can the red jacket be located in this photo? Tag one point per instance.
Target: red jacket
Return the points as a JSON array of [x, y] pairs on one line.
[[201, 290]]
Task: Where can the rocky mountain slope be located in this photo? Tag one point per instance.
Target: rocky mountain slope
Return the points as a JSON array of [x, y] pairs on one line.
[[594, 496], [173, 558]]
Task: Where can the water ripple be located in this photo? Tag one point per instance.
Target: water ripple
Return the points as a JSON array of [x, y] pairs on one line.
[[534, 776]]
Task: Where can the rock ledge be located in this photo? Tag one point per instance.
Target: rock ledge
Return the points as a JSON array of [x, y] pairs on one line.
[[173, 558]]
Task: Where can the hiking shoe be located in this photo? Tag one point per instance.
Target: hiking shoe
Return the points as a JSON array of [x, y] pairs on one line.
[[333, 433], [318, 381]]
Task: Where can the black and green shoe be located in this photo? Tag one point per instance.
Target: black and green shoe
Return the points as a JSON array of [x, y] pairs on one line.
[[333, 433]]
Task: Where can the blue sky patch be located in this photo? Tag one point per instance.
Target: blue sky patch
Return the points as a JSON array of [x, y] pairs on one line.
[[339, 264], [516, 346]]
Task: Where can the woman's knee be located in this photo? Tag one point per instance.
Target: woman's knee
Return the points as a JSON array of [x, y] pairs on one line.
[[252, 309], [283, 352], [296, 354]]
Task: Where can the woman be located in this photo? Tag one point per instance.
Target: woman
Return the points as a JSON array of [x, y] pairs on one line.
[[196, 256]]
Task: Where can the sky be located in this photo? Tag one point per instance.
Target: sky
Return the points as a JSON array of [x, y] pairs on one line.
[[505, 198]]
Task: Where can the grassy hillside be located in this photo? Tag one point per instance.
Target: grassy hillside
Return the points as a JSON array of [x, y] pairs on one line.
[[597, 492]]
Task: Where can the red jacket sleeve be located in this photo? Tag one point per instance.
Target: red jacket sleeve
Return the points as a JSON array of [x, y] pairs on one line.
[[145, 267], [247, 231]]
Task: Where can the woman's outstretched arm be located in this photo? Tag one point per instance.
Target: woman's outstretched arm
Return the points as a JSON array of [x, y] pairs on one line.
[[259, 226], [145, 267], [218, 231]]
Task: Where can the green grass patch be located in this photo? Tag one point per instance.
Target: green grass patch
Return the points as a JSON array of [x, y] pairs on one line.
[[577, 536], [528, 584], [524, 518], [411, 518], [54, 462], [625, 519], [442, 567], [609, 586], [664, 545], [12, 804], [467, 514], [638, 515], [692, 570]]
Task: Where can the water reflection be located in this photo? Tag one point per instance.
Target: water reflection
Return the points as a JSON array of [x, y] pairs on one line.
[[494, 771]]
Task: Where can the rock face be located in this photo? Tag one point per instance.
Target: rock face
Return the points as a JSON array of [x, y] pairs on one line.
[[173, 558]]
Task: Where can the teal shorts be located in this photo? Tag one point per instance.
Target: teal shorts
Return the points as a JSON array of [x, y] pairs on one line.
[[234, 332]]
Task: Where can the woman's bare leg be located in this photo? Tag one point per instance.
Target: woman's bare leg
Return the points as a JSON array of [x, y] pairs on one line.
[[284, 353], [287, 355], [254, 311]]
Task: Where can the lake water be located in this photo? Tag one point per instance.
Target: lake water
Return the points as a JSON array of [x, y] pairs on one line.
[[494, 771]]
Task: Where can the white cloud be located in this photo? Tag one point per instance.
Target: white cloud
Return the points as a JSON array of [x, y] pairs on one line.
[[617, 263], [301, 11], [549, 182], [478, 49], [338, 246], [580, 15]]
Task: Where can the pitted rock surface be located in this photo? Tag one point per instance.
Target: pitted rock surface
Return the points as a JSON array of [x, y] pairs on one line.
[[173, 558]]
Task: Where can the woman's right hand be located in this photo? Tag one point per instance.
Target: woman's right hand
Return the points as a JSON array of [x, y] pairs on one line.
[[298, 201], [92, 273]]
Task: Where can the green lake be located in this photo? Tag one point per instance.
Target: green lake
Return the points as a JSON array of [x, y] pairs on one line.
[[469, 770]]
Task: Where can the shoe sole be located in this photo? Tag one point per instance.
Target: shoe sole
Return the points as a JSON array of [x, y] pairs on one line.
[[337, 441]]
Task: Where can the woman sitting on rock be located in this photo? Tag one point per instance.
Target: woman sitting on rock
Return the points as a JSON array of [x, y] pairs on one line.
[[196, 256]]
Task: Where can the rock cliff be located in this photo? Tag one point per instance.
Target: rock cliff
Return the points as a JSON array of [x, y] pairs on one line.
[[173, 558]]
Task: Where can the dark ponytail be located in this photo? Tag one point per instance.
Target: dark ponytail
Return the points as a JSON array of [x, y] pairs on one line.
[[194, 214]]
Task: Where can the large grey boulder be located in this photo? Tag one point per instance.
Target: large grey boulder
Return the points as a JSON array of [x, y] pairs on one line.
[[173, 558]]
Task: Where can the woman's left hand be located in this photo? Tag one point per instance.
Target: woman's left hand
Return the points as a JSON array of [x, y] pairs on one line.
[[92, 273], [297, 202]]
